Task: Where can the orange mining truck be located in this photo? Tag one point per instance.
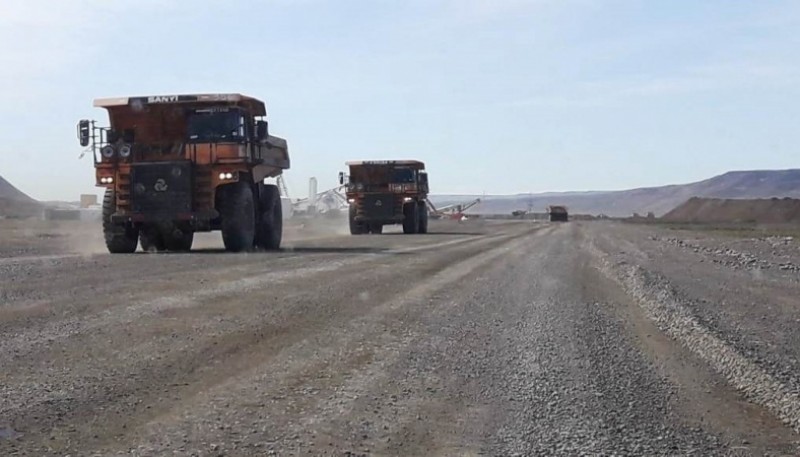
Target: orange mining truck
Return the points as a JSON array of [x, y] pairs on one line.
[[558, 213], [173, 165], [383, 192]]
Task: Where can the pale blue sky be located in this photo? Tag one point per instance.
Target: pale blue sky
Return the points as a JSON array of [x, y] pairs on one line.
[[498, 96]]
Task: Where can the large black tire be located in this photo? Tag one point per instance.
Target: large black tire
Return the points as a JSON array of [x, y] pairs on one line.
[[377, 229], [411, 217], [270, 225], [120, 239], [179, 242], [423, 218], [151, 238], [356, 228], [237, 210]]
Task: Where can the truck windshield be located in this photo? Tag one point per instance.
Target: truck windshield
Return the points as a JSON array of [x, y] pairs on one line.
[[214, 125], [402, 175]]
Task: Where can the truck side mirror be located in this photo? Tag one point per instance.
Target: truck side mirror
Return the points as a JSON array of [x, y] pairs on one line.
[[341, 178], [84, 132], [262, 130]]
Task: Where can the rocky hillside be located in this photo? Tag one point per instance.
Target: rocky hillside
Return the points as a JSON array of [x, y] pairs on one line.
[[762, 211], [659, 200], [15, 203]]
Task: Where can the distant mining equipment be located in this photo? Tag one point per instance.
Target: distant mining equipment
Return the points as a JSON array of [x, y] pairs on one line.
[[328, 203], [454, 212]]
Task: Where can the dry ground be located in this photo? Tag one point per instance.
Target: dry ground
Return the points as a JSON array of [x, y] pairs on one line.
[[481, 338]]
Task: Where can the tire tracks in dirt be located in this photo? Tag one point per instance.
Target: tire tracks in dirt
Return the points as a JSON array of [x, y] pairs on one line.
[[147, 387]]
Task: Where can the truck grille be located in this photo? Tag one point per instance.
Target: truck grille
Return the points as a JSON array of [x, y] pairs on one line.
[[379, 205], [163, 188]]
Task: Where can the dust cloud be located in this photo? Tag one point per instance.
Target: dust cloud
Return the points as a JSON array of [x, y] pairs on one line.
[[299, 229], [33, 237]]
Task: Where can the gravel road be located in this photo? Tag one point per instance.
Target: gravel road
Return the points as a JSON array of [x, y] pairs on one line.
[[480, 338]]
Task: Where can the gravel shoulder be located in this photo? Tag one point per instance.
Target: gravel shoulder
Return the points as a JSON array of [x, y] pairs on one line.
[[712, 295]]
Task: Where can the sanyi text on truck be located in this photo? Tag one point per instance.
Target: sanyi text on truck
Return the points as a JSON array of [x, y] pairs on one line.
[[173, 165], [383, 192]]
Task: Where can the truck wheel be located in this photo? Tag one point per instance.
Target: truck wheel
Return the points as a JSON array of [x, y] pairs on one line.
[[377, 229], [270, 225], [238, 213], [423, 218], [411, 217], [151, 239], [356, 228], [120, 239], [179, 242]]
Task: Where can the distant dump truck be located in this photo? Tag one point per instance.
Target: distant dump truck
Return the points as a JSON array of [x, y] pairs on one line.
[[382, 192], [558, 213], [178, 164]]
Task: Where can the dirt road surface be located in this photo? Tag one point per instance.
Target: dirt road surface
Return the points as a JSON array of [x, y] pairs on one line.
[[481, 338]]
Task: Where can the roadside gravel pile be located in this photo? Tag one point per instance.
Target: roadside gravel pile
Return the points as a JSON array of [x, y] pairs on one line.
[[761, 210], [754, 254], [663, 306], [676, 316]]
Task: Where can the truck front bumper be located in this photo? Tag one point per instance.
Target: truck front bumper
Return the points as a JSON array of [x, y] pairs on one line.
[[380, 220], [198, 216]]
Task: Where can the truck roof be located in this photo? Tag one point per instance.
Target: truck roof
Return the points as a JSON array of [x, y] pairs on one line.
[[410, 163], [252, 104]]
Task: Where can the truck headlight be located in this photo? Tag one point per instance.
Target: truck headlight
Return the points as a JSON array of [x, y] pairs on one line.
[[125, 150], [107, 151]]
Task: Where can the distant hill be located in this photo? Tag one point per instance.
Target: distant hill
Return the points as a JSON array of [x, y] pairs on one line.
[[763, 210], [659, 200], [15, 203], [8, 191]]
